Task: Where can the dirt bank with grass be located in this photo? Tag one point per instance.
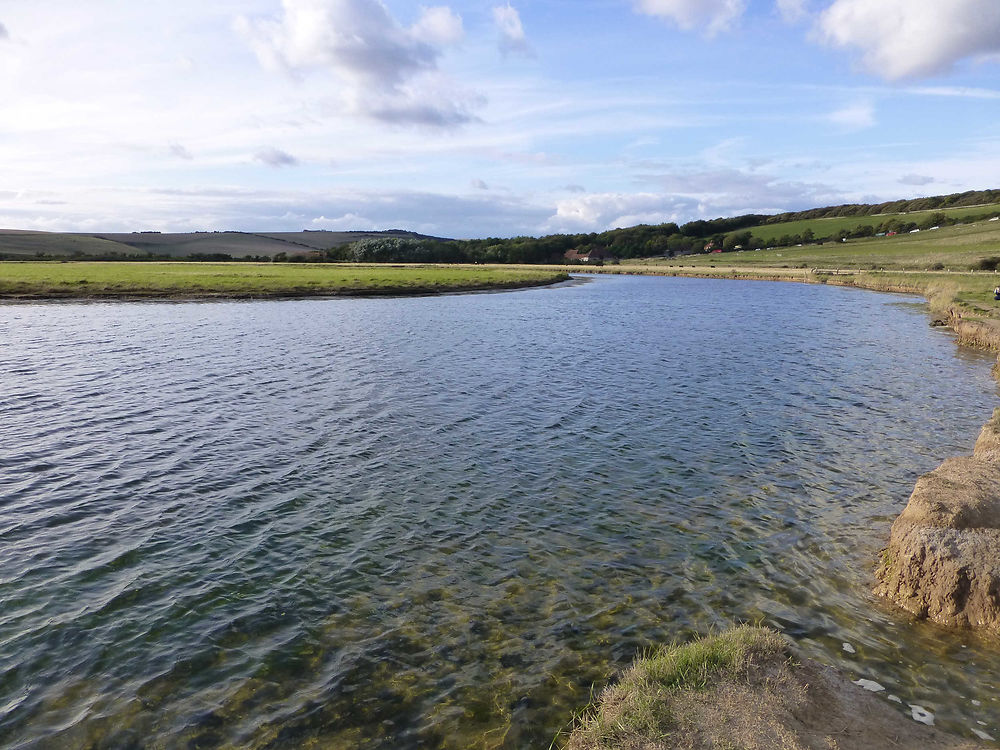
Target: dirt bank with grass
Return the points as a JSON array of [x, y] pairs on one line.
[[746, 689]]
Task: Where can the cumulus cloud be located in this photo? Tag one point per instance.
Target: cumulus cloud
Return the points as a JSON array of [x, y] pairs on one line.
[[901, 39], [4, 34], [712, 15], [599, 211], [513, 40], [917, 180], [274, 157], [388, 70]]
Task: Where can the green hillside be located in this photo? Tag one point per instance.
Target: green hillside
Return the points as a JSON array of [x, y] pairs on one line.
[[961, 247], [16, 244], [830, 227]]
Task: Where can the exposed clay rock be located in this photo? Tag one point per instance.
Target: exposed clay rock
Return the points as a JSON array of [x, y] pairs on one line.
[[988, 444], [943, 558]]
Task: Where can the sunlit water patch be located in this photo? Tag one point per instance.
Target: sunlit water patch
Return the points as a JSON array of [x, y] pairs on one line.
[[443, 522]]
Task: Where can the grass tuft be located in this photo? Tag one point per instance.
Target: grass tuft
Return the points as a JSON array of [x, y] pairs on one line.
[[639, 705]]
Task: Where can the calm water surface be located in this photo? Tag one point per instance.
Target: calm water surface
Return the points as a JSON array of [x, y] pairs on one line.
[[440, 522]]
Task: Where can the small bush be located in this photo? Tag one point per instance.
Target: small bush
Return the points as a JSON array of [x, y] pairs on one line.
[[988, 264]]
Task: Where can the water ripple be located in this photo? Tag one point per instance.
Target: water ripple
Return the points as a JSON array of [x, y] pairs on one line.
[[439, 522]]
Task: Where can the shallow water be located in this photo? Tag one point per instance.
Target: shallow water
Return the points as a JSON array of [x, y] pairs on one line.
[[443, 522]]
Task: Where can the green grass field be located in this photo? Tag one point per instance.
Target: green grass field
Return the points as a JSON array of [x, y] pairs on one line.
[[829, 227], [58, 280], [957, 248]]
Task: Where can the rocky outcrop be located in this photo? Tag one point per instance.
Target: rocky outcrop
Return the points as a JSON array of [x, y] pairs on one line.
[[943, 558]]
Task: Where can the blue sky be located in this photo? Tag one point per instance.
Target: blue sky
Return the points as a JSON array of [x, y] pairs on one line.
[[485, 118]]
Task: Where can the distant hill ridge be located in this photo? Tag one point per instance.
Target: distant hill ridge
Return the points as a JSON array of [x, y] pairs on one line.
[[257, 245], [830, 223]]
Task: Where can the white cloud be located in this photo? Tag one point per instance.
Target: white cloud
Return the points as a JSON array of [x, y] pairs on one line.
[[513, 40], [439, 25], [601, 211], [901, 39], [712, 15], [958, 92], [4, 34], [389, 72], [918, 180], [479, 185], [274, 157], [854, 117], [347, 223]]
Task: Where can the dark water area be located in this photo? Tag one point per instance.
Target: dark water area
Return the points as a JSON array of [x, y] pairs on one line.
[[443, 522]]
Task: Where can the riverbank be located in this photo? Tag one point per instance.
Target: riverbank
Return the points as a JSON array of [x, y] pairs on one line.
[[747, 688], [181, 281]]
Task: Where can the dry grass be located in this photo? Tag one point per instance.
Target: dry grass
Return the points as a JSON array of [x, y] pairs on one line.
[[640, 705], [942, 296]]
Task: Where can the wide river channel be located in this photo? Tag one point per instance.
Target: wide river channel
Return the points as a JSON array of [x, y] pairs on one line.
[[445, 521]]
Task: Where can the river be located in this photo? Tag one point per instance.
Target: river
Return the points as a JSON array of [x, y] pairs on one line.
[[445, 521]]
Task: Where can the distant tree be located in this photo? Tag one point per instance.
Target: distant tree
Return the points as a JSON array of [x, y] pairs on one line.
[[736, 240]]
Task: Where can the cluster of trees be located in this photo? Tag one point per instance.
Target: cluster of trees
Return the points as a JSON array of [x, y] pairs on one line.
[[642, 241]]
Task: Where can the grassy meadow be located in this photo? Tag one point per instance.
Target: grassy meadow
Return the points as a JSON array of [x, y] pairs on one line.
[[641, 709], [830, 226], [61, 280], [955, 248]]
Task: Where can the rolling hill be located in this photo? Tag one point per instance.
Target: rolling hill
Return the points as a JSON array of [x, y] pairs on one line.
[[16, 244]]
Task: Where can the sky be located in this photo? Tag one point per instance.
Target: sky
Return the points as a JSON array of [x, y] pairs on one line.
[[485, 118]]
